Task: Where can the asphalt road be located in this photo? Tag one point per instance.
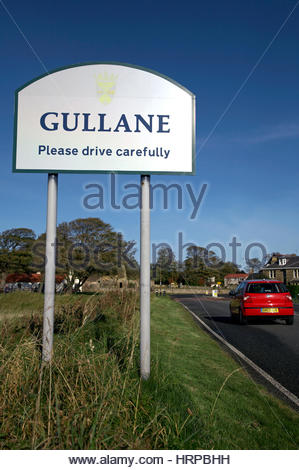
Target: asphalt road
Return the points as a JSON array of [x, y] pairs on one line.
[[272, 345]]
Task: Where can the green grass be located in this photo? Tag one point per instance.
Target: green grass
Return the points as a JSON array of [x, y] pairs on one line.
[[233, 410], [91, 396], [27, 303]]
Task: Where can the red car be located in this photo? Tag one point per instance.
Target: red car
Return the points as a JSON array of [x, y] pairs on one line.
[[262, 298]]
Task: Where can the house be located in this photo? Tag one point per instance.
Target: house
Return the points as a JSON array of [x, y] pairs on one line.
[[284, 268], [234, 279]]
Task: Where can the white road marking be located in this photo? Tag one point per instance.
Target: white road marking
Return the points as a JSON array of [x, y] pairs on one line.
[[266, 376]]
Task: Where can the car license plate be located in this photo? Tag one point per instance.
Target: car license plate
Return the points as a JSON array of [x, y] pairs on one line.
[[269, 310]]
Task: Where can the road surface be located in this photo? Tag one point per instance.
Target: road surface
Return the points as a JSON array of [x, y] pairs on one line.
[[272, 345]]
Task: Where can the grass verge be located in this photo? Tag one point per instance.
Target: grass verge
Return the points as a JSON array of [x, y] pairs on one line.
[[231, 410], [91, 397]]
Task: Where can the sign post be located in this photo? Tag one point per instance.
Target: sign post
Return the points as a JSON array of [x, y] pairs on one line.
[[103, 118], [50, 267], [145, 287]]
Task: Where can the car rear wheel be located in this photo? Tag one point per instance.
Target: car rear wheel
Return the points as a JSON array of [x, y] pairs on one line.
[[290, 320], [233, 318], [242, 319]]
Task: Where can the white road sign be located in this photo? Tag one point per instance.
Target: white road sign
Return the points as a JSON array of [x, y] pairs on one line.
[[104, 117]]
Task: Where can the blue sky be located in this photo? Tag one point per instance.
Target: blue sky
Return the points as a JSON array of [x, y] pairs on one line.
[[249, 161]]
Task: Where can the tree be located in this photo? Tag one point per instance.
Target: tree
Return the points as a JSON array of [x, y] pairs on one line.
[[201, 265], [17, 239], [195, 270], [83, 246], [87, 246], [227, 268], [16, 251], [254, 265], [165, 270]]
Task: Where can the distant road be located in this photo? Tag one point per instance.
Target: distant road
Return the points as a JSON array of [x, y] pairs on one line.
[[272, 345]]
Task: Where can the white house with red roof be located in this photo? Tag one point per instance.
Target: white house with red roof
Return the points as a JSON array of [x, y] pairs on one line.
[[234, 279]]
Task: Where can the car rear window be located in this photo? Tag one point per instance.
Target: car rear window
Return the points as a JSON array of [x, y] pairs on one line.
[[266, 288]]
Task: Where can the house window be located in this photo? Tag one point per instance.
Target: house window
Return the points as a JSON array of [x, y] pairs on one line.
[[282, 261], [272, 274], [296, 273]]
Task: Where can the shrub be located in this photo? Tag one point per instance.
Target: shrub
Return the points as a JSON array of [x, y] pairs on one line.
[[294, 291]]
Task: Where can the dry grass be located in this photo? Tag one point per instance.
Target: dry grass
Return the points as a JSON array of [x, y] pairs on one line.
[[91, 397]]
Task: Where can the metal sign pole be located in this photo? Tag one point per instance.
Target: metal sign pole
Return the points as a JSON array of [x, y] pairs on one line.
[[145, 277], [50, 268]]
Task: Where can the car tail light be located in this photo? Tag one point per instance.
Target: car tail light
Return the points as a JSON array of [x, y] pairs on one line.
[[247, 297], [289, 297]]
